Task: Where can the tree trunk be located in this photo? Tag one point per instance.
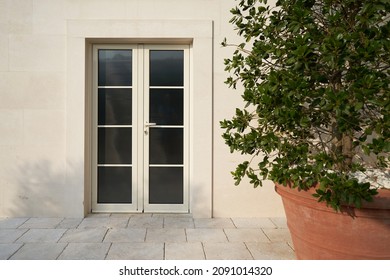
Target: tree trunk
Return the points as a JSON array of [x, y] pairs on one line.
[[342, 146], [347, 151]]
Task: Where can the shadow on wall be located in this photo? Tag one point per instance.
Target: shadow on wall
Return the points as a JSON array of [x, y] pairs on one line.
[[45, 189]]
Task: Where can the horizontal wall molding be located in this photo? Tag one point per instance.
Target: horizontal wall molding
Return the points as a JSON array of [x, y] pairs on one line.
[[140, 29]]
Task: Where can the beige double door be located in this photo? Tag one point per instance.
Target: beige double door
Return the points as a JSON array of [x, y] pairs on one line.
[[140, 128]]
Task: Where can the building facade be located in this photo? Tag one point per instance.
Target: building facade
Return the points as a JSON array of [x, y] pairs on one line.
[[114, 106]]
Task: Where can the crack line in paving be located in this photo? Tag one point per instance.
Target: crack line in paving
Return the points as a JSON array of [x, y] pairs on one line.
[[204, 251], [21, 235], [276, 226], [63, 234], [223, 230], [67, 244], [16, 251], [56, 227], [289, 245], [23, 223], [266, 235], [246, 246], [128, 221], [146, 233], [109, 248], [105, 234], [233, 223]]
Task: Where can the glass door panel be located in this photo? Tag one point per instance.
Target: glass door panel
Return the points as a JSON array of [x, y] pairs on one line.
[[166, 68], [166, 134], [166, 145], [114, 131], [114, 145], [115, 106], [115, 67], [166, 106], [166, 185], [114, 185]]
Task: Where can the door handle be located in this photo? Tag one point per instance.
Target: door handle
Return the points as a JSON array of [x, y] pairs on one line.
[[147, 125]]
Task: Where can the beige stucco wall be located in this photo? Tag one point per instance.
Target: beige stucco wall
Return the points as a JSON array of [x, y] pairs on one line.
[[43, 159]]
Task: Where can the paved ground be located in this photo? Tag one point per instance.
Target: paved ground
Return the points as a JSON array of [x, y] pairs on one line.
[[144, 236]]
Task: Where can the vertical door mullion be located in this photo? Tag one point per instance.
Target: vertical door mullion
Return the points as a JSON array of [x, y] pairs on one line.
[[94, 127], [186, 123], [146, 130], [140, 126]]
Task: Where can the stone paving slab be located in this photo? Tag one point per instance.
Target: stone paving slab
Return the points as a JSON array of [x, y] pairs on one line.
[[144, 236], [41, 235], [146, 222], [245, 235], [171, 215], [253, 223], [7, 250], [98, 215], [125, 235], [214, 223], [122, 215], [279, 222], [271, 251], [12, 222], [136, 251], [70, 223], [11, 235], [41, 223], [227, 251], [181, 222], [184, 251], [105, 222], [165, 235], [85, 251], [85, 235], [278, 235], [39, 251], [206, 235]]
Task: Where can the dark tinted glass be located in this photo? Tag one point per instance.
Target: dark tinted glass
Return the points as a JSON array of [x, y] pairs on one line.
[[166, 145], [115, 68], [114, 145], [166, 68], [166, 106], [166, 185], [115, 106], [114, 185]]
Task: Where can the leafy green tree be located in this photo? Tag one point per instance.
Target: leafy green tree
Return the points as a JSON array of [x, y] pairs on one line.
[[315, 76]]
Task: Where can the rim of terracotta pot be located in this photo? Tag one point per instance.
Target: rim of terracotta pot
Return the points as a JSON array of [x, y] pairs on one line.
[[380, 201]]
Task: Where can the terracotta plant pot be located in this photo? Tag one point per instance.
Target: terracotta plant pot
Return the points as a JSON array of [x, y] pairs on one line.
[[318, 232]]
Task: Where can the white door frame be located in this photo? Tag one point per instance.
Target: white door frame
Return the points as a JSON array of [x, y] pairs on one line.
[[177, 208], [140, 113]]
